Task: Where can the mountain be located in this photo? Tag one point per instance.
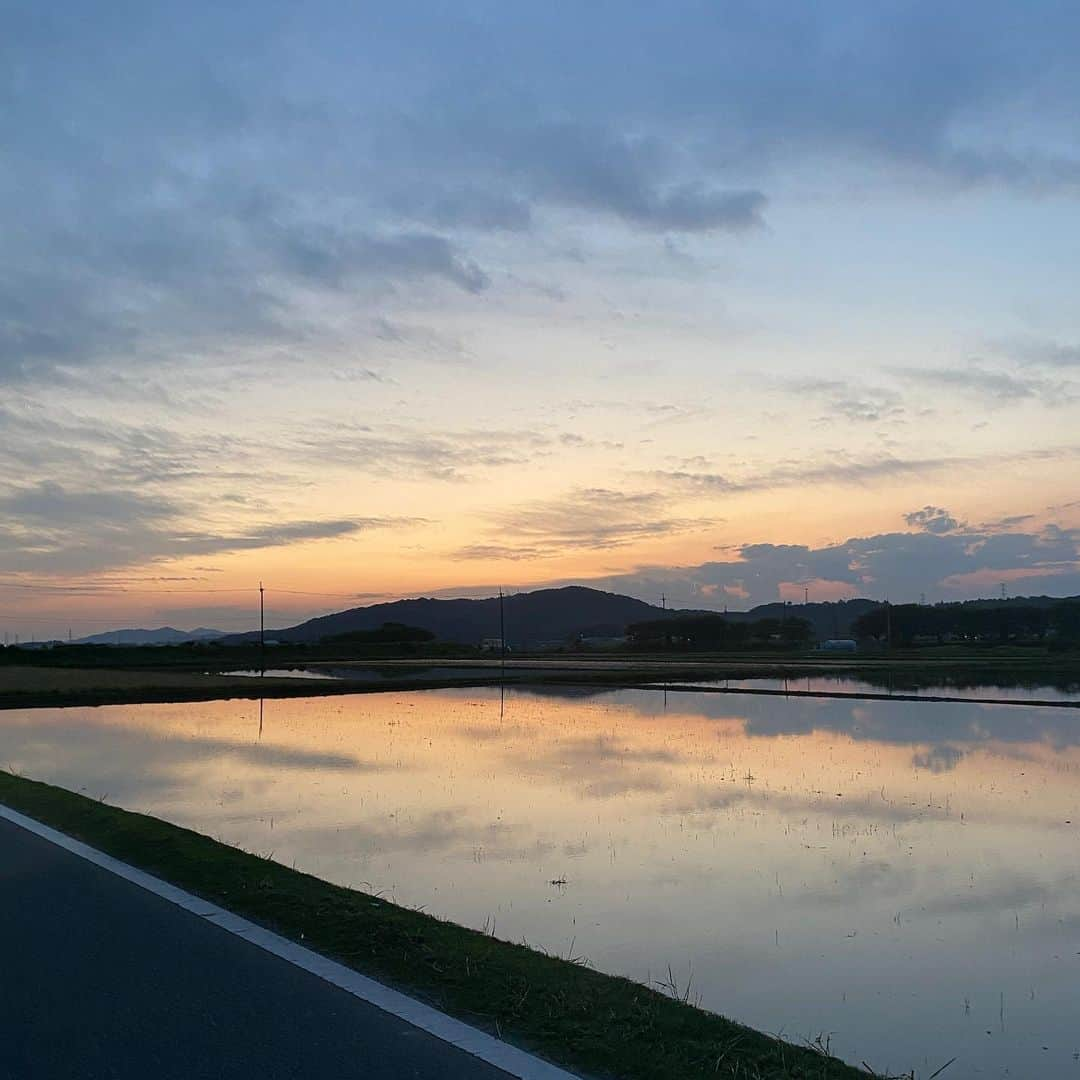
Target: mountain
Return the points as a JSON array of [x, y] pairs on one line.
[[531, 617], [829, 620], [164, 635], [546, 615], [1018, 601]]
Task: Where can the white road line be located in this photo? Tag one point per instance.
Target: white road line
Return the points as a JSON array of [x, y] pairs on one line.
[[486, 1047]]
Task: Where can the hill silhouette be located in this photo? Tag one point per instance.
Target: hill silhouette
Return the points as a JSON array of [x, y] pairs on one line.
[[834, 619], [163, 635], [532, 618], [542, 616]]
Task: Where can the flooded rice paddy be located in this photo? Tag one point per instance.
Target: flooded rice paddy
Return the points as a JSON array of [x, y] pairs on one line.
[[906, 684], [900, 878], [926, 687]]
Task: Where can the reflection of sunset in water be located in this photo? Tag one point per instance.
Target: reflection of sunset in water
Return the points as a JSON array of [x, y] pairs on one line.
[[901, 875]]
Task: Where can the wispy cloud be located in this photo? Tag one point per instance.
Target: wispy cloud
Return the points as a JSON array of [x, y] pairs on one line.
[[53, 530], [990, 385], [849, 399], [1038, 350], [584, 519], [847, 471]]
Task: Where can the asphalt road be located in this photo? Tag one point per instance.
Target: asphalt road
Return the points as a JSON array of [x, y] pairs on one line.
[[101, 979]]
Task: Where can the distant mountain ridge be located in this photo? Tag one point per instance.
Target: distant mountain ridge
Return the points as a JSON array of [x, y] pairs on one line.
[[542, 616], [163, 635], [829, 620], [532, 618]]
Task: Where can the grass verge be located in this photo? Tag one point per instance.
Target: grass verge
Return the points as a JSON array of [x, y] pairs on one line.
[[569, 1013]]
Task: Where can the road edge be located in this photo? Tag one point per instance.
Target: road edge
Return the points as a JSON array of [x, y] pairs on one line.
[[512, 1060]]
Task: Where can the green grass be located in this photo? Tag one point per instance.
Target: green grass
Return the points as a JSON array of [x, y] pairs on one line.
[[569, 1013]]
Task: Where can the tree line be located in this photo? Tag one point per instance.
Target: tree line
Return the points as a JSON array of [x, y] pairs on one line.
[[918, 624], [690, 633]]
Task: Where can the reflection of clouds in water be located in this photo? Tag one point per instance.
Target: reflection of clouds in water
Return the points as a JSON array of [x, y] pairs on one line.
[[938, 759], [992, 892], [134, 763], [872, 809], [1000, 891], [884, 879], [493, 732], [929, 722], [605, 748], [602, 749], [447, 832], [914, 722], [613, 786], [600, 767], [879, 721]]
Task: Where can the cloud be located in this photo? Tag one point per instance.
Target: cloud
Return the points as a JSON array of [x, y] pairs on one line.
[[179, 201], [501, 552], [996, 387], [932, 519], [1037, 351], [849, 400], [841, 472], [51, 529], [843, 469], [470, 208], [598, 170], [583, 519], [393, 450], [966, 561]]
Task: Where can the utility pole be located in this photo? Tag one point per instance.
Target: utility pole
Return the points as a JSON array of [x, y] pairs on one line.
[[663, 601], [888, 625], [502, 636], [806, 594], [262, 632]]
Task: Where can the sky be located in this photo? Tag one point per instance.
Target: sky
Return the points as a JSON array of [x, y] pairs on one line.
[[727, 302]]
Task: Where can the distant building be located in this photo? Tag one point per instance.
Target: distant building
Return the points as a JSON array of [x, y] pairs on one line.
[[492, 644], [600, 642], [839, 645]]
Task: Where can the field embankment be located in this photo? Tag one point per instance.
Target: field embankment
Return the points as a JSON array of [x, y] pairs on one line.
[[585, 1020]]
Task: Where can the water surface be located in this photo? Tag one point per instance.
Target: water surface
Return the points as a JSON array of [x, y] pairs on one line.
[[927, 686], [899, 877]]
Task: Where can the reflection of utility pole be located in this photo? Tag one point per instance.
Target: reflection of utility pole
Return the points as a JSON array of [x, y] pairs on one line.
[[888, 625], [262, 632]]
